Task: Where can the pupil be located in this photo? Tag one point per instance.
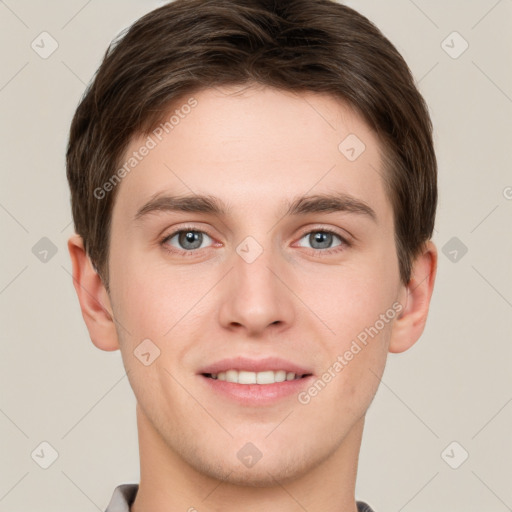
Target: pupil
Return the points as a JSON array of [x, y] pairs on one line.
[[190, 237], [322, 238]]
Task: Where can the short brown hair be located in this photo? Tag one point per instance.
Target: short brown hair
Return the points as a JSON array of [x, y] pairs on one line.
[[295, 45]]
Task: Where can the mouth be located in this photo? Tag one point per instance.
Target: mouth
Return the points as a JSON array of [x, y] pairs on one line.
[[255, 382], [248, 377]]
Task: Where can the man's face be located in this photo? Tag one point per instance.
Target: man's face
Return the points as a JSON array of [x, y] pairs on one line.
[[255, 282]]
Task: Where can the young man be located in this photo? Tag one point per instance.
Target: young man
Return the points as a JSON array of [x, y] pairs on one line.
[[254, 190]]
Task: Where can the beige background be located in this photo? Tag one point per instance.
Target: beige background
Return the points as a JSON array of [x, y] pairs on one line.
[[453, 385]]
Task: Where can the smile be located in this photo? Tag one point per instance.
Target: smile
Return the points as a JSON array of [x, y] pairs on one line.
[[248, 377]]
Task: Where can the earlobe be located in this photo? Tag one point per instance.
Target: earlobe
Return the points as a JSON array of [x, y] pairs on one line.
[[93, 298], [415, 298]]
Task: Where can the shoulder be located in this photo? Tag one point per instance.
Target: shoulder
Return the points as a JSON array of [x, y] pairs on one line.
[[122, 498], [363, 507]]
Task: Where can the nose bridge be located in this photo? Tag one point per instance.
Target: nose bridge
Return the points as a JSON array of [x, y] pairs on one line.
[[255, 297], [252, 266]]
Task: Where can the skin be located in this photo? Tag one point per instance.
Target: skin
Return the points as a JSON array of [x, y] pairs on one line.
[[254, 150]]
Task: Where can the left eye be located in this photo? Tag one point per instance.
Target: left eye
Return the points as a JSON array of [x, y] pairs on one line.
[[322, 239]]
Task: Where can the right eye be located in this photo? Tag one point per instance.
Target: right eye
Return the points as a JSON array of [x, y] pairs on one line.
[[185, 240]]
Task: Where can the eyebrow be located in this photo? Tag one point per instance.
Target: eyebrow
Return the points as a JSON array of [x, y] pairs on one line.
[[304, 205]]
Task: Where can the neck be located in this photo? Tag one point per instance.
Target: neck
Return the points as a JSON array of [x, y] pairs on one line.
[[168, 483]]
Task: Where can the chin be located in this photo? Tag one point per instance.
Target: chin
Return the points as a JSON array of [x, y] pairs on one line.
[[268, 471], [255, 477]]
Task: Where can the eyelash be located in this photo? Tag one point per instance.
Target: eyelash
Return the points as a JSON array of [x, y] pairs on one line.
[[323, 252]]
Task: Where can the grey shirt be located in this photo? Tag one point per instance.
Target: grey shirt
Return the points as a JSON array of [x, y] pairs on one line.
[[124, 496]]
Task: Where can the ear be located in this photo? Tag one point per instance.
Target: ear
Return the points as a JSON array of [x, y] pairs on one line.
[[416, 299], [93, 297]]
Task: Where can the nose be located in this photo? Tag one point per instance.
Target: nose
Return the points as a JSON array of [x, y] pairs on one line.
[[255, 295]]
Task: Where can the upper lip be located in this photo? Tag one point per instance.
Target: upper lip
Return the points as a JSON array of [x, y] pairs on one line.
[[254, 365]]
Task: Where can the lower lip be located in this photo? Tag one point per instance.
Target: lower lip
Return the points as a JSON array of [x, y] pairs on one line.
[[257, 394]]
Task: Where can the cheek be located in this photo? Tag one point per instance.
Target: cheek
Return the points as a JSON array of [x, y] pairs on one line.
[[150, 300], [351, 298], [351, 377], [359, 310]]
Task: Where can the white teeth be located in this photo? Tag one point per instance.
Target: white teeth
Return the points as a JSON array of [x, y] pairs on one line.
[[280, 376], [265, 377], [232, 376], [245, 377]]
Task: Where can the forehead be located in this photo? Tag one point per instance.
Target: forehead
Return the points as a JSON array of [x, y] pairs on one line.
[[255, 147]]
